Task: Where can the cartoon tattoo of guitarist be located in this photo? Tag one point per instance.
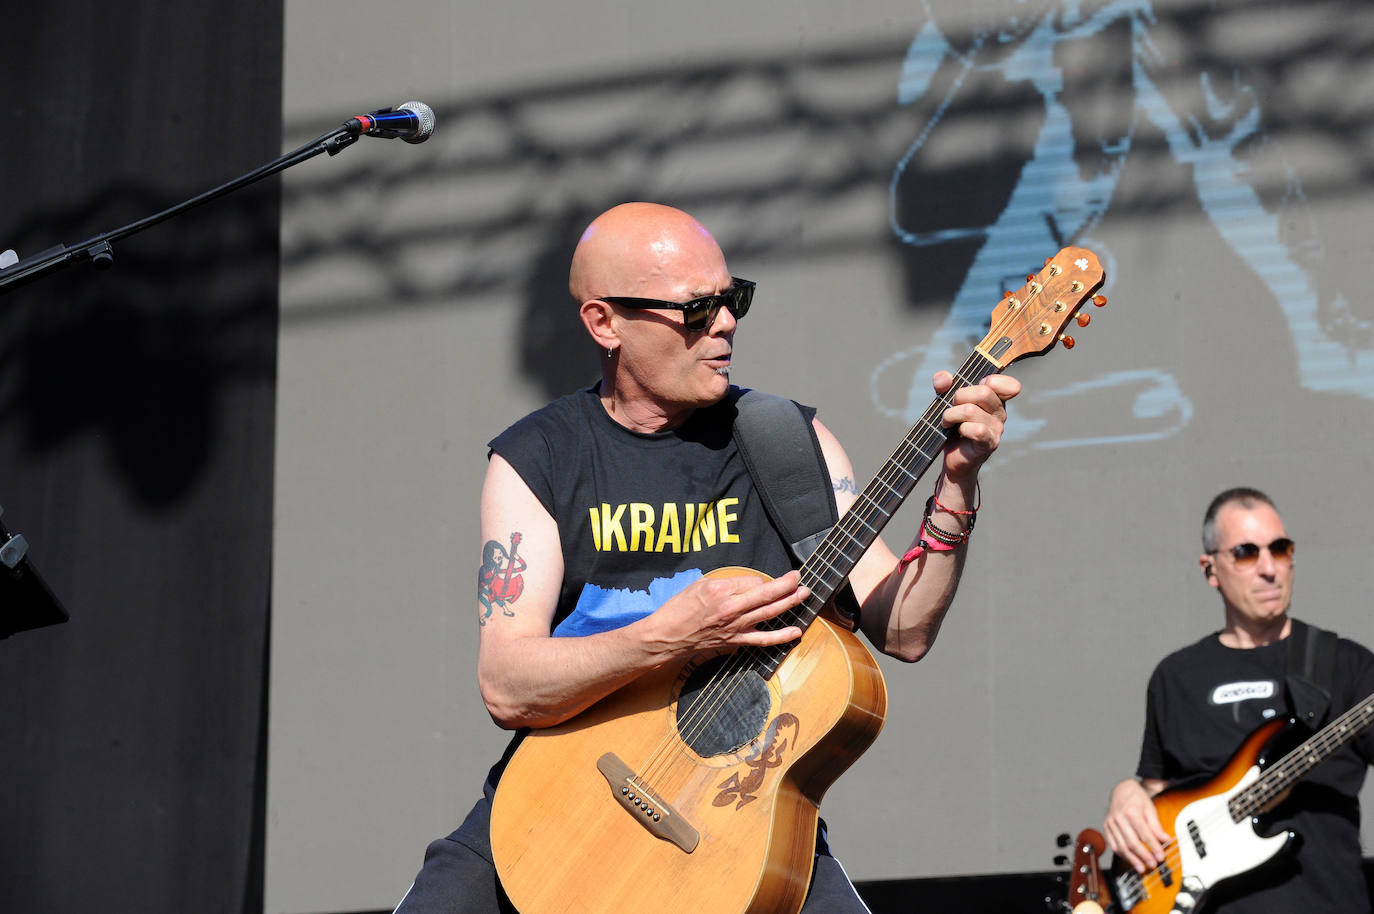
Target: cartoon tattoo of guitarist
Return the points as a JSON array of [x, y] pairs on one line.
[[498, 580]]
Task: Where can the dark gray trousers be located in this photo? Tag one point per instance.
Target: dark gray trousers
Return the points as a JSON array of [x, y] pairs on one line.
[[458, 876]]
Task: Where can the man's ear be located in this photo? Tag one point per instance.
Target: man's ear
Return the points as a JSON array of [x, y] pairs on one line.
[[1206, 562], [597, 318]]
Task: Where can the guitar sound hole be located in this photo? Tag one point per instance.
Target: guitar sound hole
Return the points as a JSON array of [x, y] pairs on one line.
[[721, 710]]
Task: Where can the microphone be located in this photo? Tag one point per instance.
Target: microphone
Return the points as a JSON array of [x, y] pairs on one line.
[[411, 121]]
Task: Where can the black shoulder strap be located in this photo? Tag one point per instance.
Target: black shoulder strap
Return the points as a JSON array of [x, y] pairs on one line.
[[1311, 656], [784, 458]]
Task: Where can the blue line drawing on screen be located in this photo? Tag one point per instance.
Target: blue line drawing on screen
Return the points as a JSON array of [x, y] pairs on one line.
[[1053, 203], [1153, 395]]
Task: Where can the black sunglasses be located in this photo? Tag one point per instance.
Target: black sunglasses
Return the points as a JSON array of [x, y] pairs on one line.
[[699, 313], [1247, 554]]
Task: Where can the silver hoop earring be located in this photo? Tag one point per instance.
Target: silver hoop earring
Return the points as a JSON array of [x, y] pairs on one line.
[[609, 350]]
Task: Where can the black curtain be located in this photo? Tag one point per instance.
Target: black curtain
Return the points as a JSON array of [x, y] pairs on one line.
[[136, 432]]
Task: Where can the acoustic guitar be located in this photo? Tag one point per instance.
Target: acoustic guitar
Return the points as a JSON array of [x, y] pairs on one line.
[[697, 787]]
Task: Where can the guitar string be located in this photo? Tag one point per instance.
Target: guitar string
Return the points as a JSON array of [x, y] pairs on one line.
[[901, 488], [696, 722], [816, 574], [1256, 796], [720, 688], [722, 682], [721, 685]]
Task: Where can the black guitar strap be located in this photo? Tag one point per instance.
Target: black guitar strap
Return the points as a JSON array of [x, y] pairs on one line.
[[780, 448], [1311, 656], [784, 458]]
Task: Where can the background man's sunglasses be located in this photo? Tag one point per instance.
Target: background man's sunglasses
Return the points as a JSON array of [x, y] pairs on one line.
[[1247, 554], [699, 313]]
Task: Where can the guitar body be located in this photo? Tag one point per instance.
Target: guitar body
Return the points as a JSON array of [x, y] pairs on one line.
[[736, 826], [1210, 845]]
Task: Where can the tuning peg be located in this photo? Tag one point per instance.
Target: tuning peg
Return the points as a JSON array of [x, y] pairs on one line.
[[1062, 839], [1066, 340], [1030, 277], [1061, 860], [1006, 294], [1099, 300], [1083, 319]]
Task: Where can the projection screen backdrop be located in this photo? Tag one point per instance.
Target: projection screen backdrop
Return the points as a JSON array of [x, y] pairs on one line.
[[884, 171]]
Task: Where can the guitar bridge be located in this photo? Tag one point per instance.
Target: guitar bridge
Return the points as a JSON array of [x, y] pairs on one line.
[[649, 810]]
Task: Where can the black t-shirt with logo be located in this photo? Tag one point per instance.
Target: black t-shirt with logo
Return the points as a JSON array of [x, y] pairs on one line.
[[640, 516]]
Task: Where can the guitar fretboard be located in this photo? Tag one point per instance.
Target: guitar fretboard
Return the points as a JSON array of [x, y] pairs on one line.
[[830, 565], [1293, 766]]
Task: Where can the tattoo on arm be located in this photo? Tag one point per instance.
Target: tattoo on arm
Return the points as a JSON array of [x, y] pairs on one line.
[[499, 582], [844, 484]]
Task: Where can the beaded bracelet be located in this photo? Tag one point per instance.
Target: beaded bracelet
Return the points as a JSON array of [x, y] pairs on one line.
[[944, 536]]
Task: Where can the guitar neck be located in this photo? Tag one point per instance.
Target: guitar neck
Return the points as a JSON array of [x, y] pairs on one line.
[[1297, 763], [830, 565], [1025, 323]]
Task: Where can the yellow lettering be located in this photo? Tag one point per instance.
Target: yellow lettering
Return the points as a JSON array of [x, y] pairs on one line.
[[678, 528], [610, 526], [705, 527], [641, 522], [669, 535], [726, 519]]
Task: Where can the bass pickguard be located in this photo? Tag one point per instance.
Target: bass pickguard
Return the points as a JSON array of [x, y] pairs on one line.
[[1213, 847]]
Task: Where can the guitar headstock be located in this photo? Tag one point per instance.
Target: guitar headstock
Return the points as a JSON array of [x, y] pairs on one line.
[[1030, 320], [1088, 891]]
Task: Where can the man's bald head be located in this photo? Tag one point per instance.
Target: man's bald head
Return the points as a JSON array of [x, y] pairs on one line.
[[630, 246]]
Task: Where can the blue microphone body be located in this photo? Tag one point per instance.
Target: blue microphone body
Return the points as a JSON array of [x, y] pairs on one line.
[[411, 121]]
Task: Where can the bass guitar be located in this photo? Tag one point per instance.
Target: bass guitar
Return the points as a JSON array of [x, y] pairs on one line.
[[697, 787], [1213, 825]]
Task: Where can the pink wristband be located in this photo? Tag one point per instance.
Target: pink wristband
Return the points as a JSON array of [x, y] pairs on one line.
[[922, 546]]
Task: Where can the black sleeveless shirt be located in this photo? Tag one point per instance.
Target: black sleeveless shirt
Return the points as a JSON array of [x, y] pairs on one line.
[[640, 516]]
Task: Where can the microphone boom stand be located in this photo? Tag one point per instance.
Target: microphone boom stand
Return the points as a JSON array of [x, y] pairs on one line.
[[99, 251], [26, 602]]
